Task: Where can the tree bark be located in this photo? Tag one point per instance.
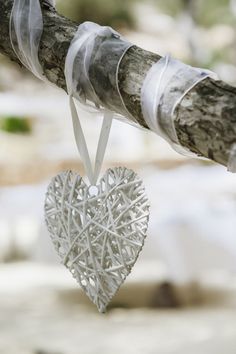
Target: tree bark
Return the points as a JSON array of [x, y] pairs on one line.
[[205, 120]]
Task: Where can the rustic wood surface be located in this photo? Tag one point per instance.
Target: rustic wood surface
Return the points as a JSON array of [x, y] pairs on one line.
[[205, 119]]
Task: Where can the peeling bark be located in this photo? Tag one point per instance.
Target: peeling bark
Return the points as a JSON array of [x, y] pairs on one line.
[[205, 120]]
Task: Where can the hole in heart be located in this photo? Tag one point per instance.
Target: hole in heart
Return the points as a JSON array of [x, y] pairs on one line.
[[110, 179], [93, 191], [61, 249]]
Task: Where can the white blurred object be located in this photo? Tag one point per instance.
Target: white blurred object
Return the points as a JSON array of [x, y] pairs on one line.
[[21, 214], [191, 34], [218, 37], [226, 72], [193, 220], [158, 23], [5, 239], [26, 233], [233, 6]]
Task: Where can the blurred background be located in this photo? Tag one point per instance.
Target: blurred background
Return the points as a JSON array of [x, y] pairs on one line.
[[181, 295]]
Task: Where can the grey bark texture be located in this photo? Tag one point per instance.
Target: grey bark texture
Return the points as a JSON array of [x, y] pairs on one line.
[[205, 120]]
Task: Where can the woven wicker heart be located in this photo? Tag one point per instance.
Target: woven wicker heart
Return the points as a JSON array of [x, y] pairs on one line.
[[99, 233]]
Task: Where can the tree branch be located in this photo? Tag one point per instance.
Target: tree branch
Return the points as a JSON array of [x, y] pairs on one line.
[[205, 120]]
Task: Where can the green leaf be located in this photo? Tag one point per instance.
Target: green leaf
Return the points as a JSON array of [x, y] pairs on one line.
[[16, 125]]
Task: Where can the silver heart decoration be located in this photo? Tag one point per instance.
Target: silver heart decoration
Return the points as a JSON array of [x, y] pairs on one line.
[[99, 231]]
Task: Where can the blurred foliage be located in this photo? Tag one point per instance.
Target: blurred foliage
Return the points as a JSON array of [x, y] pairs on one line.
[[211, 12], [115, 13], [206, 13], [16, 125], [172, 8]]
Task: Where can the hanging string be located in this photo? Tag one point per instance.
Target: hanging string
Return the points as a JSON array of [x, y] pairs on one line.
[[92, 173], [79, 86], [26, 28], [87, 38]]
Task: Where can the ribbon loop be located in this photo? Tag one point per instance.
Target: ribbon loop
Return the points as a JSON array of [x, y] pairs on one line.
[[86, 48], [26, 28], [166, 84], [92, 173]]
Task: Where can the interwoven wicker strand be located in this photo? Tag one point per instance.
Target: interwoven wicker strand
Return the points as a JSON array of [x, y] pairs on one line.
[[98, 232]]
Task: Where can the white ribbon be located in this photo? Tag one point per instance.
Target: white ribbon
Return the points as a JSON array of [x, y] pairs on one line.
[[86, 39], [26, 28], [82, 43], [80, 87], [166, 84], [92, 173]]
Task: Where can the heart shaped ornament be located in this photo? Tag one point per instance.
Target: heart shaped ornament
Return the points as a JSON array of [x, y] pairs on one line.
[[99, 231]]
